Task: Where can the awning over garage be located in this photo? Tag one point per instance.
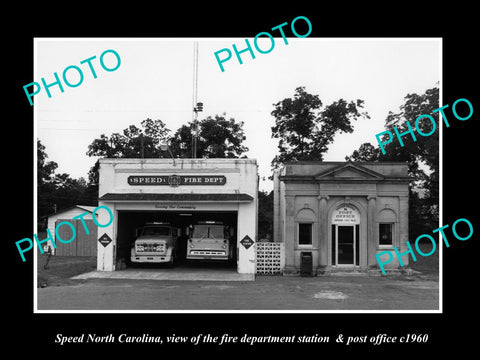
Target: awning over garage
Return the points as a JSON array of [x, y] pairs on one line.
[[232, 197]]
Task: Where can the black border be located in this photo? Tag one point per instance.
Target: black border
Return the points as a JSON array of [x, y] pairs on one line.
[[455, 25]]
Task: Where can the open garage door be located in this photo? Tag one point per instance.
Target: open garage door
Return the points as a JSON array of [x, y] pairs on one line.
[[130, 224]]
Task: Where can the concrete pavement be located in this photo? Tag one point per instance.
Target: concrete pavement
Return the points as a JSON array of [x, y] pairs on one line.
[[266, 293], [179, 274]]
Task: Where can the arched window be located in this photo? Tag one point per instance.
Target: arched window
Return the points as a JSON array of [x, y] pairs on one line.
[[305, 221]]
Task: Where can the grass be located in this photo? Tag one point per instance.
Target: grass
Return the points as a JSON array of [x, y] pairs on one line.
[[61, 268], [426, 265]]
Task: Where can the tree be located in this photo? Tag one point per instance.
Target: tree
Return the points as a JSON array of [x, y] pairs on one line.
[[132, 143], [366, 152], [305, 128], [425, 151], [45, 170], [69, 192], [425, 148], [217, 138], [45, 184], [265, 213], [58, 191]]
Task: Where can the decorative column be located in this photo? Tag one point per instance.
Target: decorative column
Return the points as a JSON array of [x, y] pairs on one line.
[[402, 221], [289, 236], [277, 217], [371, 242], [323, 232]]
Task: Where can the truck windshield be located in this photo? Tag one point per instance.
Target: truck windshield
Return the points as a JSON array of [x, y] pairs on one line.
[[156, 230], [208, 232]]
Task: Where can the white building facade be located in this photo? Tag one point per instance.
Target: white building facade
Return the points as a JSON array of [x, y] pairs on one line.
[[179, 191]]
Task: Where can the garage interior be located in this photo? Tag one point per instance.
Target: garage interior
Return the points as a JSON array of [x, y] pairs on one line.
[[130, 221]]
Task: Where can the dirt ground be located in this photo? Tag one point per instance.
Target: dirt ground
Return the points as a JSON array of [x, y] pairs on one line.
[[265, 293], [58, 291]]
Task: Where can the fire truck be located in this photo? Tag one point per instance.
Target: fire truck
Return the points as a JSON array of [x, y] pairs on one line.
[[156, 243], [210, 240]]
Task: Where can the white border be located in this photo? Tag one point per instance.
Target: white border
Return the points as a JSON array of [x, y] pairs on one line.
[[35, 118], [440, 203]]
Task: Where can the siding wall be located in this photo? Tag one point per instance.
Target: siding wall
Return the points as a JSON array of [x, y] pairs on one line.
[[84, 244]]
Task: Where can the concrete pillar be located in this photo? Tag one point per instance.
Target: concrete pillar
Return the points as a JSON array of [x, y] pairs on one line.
[[289, 237], [277, 233], [402, 222], [106, 254], [371, 231], [322, 231], [246, 227]]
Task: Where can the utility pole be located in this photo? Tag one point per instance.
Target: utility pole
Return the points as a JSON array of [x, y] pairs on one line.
[[196, 110], [197, 106]]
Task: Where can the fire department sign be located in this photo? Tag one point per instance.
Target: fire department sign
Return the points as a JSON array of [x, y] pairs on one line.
[[246, 242], [104, 240], [177, 180]]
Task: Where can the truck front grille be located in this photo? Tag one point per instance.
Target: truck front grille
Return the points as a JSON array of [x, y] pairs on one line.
[[151, 248]]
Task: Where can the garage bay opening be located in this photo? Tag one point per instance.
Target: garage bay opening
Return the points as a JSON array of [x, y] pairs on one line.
[[177, 239]]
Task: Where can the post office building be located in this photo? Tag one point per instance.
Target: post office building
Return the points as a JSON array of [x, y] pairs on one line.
[[340, 214]]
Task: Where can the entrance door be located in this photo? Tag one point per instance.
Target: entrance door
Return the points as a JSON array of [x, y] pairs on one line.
[[345, 236], [346, 245]]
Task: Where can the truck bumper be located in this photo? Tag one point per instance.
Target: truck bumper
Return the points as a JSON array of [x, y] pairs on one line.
[[150, 259], [206, 255]]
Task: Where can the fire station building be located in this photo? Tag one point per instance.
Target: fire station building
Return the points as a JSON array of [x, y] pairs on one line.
[[340, 214], [179, 191]]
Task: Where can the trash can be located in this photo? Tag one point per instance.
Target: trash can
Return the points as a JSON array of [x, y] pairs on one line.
[[306, 264]]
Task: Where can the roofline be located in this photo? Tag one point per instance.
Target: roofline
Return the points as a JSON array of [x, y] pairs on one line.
[[69, 208], [344, 180], [356, 166], [302, 162], [177, 160]]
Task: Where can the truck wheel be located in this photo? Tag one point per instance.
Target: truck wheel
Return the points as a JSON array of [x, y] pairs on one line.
[[171, 264]]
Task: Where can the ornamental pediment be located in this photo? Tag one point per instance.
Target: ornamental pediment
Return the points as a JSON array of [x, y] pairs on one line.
[[349, 171]]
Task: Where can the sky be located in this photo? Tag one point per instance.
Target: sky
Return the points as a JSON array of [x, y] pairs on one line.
[[155, 80]]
